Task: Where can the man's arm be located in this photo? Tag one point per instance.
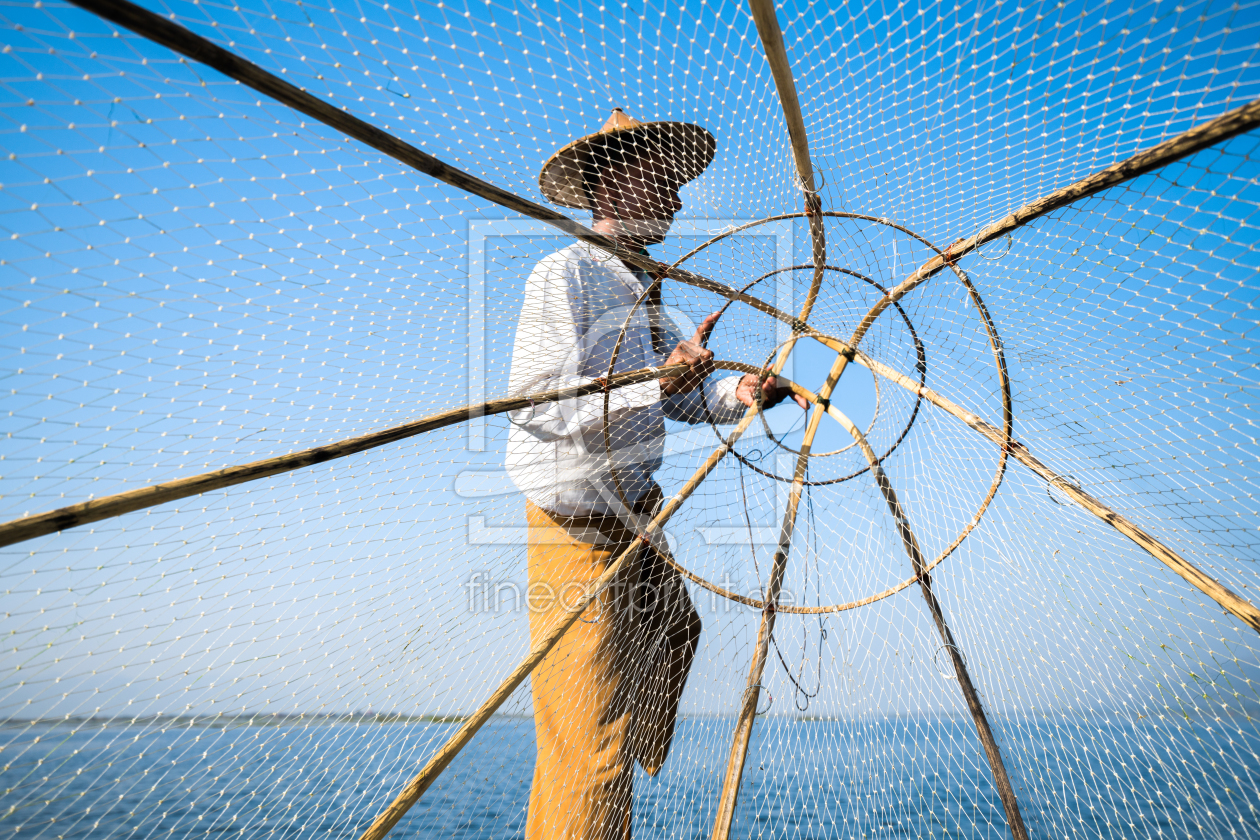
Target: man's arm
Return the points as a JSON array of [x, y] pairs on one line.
[[688, 395]]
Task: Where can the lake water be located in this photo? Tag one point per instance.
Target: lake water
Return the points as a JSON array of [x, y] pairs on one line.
[[870, 778]]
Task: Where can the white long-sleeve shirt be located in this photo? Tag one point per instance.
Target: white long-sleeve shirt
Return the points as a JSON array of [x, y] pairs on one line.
[[576, 301]]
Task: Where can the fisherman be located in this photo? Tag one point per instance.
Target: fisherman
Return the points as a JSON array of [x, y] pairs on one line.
[[607, 695]]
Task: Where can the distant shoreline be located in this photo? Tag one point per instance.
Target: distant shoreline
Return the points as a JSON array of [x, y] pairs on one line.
[[226, 721]]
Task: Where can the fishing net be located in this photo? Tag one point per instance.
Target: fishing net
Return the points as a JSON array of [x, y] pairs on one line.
[[1022, 544]]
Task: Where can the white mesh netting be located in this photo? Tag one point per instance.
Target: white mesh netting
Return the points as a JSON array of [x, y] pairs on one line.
[[196, 276]]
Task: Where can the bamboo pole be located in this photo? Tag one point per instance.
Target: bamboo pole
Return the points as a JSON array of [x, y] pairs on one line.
[[752, 688], [1001, 779], [771, 36], [416, 788], [117, 504], [84, 513], [181, 40]]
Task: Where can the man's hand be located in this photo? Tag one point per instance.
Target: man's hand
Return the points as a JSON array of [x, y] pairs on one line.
[[771, 394], [692, 353]]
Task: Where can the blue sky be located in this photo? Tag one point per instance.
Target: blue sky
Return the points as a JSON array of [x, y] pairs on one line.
[[193, 278]]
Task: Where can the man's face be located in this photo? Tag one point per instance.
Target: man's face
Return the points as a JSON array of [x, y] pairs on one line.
[[641, 197]]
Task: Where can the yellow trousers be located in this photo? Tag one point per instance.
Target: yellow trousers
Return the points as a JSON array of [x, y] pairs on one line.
[[607, 694]]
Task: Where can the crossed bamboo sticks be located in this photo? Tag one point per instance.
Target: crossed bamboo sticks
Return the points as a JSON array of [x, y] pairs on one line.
[[200, 49]]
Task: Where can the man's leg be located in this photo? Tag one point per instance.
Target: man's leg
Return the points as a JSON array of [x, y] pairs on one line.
[[582, 697]]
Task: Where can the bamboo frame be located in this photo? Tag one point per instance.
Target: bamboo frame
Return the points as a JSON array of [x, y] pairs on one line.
[[416, 788], [83, 513], [183, 41], [1001, 778], [771, 36]]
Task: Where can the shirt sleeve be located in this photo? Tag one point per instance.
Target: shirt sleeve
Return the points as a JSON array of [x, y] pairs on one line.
[[552, 349], [718, 396]]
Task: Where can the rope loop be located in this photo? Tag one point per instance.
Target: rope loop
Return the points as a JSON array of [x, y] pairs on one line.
[[598, 616], [532, 409], [936, 660], [761, 713], [819, 178], [1009, 240], [1065, 480]]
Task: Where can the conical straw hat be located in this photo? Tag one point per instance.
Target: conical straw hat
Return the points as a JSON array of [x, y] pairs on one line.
[[688, 147]]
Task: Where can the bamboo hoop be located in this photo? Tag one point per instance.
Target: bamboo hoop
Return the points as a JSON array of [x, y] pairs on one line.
[[744, 725], [921, 367], [848, 352]]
